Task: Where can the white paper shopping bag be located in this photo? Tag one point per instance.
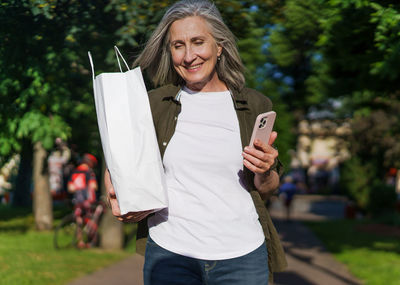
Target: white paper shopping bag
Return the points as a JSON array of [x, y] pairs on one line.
[[129, 140]]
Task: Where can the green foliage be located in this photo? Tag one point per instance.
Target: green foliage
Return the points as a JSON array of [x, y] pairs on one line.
[[349, 50], [253, 59], [347, 46], [292, 49], [370, 194], [388, 218], [360, 41], [31, 61], [356, 181], [382, 199], [44, 76], [315, 50], [386, 39], [42, 128], [376, 130]]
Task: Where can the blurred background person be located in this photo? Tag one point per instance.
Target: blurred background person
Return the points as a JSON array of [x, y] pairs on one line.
[[58, 158], [83, 186], [286, 192]]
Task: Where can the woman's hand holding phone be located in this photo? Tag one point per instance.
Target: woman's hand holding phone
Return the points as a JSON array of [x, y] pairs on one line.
[[259, 159], [260, 155]]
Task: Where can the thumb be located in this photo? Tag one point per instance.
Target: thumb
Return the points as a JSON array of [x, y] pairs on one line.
[[111, 191], [107, 182], [272, 137]]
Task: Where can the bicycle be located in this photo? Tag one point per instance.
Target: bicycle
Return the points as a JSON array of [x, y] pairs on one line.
[[66, 233]]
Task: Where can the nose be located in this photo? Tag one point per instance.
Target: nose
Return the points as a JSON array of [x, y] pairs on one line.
[[190, 55]]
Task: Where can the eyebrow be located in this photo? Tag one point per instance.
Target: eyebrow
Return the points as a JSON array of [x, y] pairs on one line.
[[192, 40]]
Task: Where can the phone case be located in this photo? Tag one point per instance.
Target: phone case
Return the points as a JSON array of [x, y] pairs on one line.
[[263, 127]]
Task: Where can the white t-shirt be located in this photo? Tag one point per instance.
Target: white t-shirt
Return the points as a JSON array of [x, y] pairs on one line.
[[210, 214]]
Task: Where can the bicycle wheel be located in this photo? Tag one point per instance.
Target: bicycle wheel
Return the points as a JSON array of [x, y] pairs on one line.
[[65, 233], [90, 234]]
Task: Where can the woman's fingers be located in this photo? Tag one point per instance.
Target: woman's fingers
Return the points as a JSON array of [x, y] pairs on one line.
[[261, 157], [133, 217], [257, 164], [272, 137], [261, 168]]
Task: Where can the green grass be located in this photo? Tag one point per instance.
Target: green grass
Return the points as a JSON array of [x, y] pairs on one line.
[[371, 258], [28, 256]]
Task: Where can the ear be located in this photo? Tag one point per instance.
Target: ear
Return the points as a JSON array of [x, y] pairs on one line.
[[219, 50]]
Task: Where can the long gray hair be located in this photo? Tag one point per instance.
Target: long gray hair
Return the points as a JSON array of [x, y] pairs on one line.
[[156, 56]]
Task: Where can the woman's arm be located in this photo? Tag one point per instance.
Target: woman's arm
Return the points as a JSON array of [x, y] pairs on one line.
[[259, 159], [266, 184]]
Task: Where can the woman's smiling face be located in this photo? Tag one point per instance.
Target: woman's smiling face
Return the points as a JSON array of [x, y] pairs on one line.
[[194, 54]]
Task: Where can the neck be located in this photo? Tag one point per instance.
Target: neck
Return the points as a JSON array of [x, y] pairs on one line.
[[214, 84]]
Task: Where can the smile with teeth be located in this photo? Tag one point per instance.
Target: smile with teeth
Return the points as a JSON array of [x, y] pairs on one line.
[[193, 67]]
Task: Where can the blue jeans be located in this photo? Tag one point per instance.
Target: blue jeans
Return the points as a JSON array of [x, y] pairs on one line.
[[163, 267]]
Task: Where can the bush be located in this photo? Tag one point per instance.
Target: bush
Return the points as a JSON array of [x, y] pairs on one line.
[[356, 182], [388, 218], [382, 199], [370, 195]]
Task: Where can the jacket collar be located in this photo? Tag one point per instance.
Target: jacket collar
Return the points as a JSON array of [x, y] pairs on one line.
[[239, 98]]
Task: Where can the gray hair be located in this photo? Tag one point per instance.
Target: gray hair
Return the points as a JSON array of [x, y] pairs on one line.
[[156, 56]]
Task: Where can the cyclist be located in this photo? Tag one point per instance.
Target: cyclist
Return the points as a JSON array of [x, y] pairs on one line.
[[83, 185]]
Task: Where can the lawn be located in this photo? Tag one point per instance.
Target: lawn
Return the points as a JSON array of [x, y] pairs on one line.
[[373, 258], [28, 256]]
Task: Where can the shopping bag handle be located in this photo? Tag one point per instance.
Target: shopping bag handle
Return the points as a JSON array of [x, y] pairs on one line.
[[118, 54], [91, 63]]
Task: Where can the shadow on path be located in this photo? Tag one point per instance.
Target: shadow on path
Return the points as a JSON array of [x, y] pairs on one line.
[[309, 262], [291, 278]]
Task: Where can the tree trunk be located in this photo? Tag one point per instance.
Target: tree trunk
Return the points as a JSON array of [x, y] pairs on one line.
[[111, 230], [22, 193], [42, 202]]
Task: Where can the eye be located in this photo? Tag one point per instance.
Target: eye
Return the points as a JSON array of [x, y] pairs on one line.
[[198, 43], [178, 46]]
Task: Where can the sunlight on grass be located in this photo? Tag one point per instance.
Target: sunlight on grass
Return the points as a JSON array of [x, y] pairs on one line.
[[372, 258], [28, 257]]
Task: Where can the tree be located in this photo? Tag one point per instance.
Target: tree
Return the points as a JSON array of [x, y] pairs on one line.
[[360, 44], [111, 230], [41, 83], [42, 203], [347, 50], [21, 195]]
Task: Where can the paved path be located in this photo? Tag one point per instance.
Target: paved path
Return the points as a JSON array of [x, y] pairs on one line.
[[308, 261], [125, 272]]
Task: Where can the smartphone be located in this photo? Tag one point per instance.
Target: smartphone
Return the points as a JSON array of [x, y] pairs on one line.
[[263, 127]]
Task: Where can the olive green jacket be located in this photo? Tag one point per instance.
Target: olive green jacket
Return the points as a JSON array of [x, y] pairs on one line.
[[248, 103]]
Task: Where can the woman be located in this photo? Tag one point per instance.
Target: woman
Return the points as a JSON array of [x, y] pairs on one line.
[[216, 229]]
